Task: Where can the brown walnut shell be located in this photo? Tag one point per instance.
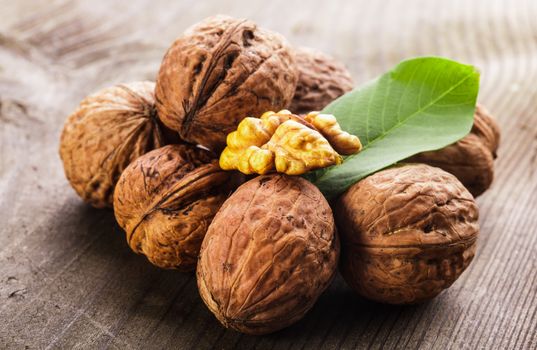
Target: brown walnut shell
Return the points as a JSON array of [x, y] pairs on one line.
[[321, 79], [471, 159], [165, 201], [468, 159], [407, 233], [269, 253], [219, 72], [486, 128], [108, 131]]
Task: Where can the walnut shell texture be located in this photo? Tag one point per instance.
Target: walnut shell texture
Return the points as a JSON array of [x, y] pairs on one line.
[[219, 72], [269, 253], [468, 159], [471, 159], [321, 79], [165, 201], [407, 233], [108, 130]]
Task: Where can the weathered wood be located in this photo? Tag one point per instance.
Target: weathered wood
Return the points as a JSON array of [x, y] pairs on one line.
[[67, 278]]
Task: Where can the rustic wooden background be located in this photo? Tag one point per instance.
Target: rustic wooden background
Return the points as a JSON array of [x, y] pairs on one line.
[[67, 277]]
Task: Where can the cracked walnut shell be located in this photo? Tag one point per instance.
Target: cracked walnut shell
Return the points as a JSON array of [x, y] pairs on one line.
[[108, 130], [165, 201], [471, 159], [269, 253], [321, 79], [407, 233], [219, 72]]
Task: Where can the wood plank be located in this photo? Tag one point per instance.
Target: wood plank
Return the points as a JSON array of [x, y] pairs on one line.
[[67, 278]]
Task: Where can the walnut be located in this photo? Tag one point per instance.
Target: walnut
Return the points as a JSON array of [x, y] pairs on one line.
[[219, 72], [269, 253], [487, 129], [471, 159], [407, 233], [298, 149], [165, 201], [286, 143], [108, 130], [321, 79], [342, 141]]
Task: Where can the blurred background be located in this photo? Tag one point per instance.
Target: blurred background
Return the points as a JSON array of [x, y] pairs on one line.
[[68, 279]]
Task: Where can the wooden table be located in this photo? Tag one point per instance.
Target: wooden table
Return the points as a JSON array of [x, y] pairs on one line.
[[67, 278]]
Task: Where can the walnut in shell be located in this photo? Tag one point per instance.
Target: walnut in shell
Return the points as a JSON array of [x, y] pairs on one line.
[[268, 254], [471, 159], [165, 201], [321, 79], [220, 71], [407, 233], [108, 130], [487, 129]]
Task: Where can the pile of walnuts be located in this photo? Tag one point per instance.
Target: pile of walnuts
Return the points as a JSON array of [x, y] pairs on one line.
[[265, 247]]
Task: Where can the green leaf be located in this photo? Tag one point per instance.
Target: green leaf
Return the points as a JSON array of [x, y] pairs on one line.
[[422, 104]]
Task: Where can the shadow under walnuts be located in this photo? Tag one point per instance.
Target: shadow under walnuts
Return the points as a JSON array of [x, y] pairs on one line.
[[339, 319], [340, 311]]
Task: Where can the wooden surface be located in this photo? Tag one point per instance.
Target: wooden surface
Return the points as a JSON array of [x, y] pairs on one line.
[[67, 277]]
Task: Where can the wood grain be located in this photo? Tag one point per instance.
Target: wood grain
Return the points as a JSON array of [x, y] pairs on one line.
[[67, 277]]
